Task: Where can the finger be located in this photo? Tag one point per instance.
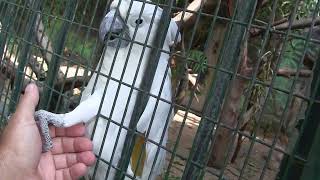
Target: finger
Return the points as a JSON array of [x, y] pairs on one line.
[[74, 131], [27, 104], [63, 161], [74, 172], [70, 145]]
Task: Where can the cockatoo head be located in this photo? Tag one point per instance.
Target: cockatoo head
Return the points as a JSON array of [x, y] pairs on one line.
[[123, 24]]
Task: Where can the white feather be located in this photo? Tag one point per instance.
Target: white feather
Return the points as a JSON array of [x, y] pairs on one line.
[[114, 105]]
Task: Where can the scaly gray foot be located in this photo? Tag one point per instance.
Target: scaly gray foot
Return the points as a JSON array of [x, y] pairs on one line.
[[44, 118]]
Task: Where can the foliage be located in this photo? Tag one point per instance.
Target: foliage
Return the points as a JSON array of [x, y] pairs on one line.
[[284, 9], [197, 61], [259, 91], [81, 41], [85, 10], [306, 8], [275, 104]]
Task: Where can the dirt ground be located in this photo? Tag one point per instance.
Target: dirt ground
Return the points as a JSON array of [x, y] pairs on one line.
[[254, 166]]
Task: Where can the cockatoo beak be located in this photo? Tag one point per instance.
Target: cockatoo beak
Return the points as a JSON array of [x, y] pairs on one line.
[[112, 32]]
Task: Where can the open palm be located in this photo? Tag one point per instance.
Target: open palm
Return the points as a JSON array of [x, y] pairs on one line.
[[21, 156], [70, 156]]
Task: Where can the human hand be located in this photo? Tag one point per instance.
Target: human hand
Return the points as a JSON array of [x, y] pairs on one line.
[[21, 154]]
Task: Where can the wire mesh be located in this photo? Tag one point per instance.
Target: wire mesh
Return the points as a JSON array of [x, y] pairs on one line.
[[242, 79]]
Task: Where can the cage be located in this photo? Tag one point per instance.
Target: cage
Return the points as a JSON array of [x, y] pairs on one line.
[[187, 89]]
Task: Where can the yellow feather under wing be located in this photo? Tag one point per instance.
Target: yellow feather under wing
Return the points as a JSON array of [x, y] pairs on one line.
[[139, 148]]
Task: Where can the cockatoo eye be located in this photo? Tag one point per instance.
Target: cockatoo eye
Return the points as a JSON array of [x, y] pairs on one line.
[[139, 21]]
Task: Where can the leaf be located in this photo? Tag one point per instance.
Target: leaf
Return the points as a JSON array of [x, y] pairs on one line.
[[197, 61]]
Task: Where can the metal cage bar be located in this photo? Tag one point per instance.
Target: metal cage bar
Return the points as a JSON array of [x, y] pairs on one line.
[[241, 19]]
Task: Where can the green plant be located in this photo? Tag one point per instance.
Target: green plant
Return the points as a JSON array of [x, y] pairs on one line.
[[284, 9], [197, 61]]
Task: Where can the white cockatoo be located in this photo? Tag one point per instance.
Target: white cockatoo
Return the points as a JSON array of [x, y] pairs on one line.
[[115, 80]]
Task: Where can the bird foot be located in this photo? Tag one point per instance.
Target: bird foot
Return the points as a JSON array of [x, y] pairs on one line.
[[44, 118]]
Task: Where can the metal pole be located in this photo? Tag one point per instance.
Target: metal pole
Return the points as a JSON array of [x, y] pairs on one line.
[[142, 98], [305, 149], [58, 51], [5, 26], [23, 58], [217, 91]]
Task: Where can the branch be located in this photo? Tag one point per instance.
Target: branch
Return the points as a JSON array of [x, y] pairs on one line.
[[184, 19], [67, 84], [284, 25], [71, 82], [246, 117], [7, 68], [239, 143], [45, 44], [281, 21], [43, 40], [286, 72], [36, 68], [298, 24], [263, 3]]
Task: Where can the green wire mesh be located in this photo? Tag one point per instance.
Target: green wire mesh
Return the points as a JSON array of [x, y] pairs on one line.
[[244, 80]]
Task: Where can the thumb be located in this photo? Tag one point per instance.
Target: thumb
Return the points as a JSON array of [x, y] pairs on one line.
[[28, 103], [21, 138]]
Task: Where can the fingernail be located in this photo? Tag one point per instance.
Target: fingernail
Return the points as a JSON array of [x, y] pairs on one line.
[[30, 87]]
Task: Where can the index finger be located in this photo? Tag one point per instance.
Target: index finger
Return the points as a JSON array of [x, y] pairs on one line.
[[73, 131]]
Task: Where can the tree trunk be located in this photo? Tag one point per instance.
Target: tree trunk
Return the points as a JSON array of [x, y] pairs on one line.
[[229, 115]]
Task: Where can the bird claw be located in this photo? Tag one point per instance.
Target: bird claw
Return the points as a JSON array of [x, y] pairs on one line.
[[44, 118], [51, 118]]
